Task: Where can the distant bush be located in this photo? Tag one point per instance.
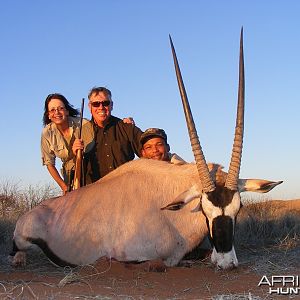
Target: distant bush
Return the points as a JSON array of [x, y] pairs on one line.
[[266, 225], [14, 200]]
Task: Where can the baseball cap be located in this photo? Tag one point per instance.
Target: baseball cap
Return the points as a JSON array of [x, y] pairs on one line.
[[153, 132]]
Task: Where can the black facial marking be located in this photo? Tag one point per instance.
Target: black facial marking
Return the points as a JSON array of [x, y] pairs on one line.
[[48, 252], [221, 196], [222, 230], [14, 250]]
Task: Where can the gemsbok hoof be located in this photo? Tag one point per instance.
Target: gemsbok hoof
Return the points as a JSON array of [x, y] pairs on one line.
[[19, 260]]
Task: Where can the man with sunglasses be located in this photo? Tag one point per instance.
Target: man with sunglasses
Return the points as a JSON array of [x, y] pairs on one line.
[[114, 143]]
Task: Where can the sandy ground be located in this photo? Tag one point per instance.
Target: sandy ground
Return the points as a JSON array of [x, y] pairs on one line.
[[113, 280], [119, 281]]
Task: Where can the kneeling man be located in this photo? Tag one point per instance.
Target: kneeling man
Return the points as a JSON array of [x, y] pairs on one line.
[[154, 145]]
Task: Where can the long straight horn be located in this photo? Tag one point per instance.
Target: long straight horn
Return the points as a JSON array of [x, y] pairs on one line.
[[235, 163], [207, 183]]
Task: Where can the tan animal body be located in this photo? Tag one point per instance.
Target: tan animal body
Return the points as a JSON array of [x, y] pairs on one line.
[[120, 216]]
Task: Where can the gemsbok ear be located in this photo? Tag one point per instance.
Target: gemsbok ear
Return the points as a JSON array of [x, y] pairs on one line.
[[257, 185], [183, 199], [174, 206]]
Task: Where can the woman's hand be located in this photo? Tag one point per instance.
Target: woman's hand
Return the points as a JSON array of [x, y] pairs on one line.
[[64, 188], [56, 176]]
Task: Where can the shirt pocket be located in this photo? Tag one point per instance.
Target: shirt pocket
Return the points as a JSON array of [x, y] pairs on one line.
[[60, 151]]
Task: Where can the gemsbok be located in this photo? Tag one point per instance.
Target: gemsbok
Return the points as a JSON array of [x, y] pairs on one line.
[[129, 214]]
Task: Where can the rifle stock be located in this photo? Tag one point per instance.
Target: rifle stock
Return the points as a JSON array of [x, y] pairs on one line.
[[78, 163]]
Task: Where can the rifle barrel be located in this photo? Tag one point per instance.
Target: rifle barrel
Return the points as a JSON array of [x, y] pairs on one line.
[[81, 117], [77, 175]]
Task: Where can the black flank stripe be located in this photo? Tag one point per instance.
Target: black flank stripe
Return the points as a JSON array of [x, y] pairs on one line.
[[48, 252], [14, 250]]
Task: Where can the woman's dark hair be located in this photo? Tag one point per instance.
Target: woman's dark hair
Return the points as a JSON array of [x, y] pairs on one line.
[[72, 111]]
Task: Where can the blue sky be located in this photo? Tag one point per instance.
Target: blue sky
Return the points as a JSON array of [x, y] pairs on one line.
[[71, 46]]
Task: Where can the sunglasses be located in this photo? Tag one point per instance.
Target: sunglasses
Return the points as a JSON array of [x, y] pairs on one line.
[[105, 103]]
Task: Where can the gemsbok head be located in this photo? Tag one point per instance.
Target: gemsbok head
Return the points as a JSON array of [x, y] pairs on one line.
[[220, 201]]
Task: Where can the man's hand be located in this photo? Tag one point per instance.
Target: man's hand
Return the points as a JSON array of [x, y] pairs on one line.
[[129, 120], [77, 145]]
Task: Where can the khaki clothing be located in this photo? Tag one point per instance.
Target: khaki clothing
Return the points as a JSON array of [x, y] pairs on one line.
[[54, 145], [176, 160]]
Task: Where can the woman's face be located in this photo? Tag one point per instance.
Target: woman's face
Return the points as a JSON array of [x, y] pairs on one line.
[[57, 112]]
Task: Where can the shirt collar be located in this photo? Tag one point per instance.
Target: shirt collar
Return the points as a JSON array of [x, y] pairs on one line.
[[111, 121]]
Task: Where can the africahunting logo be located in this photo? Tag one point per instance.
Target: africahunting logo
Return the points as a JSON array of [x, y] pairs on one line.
[[281, 284]]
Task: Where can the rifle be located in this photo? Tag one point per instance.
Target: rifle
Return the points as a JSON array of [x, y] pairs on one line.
[[78, 163]]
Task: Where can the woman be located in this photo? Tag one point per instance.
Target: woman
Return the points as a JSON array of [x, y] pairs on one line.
[[62, 124]]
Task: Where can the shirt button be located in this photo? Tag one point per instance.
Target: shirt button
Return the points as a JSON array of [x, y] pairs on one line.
[[110, 167], [105, 144], [107, 155]]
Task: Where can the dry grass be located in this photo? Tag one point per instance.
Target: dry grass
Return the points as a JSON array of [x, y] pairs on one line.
[[268, 237], [15, 201]]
